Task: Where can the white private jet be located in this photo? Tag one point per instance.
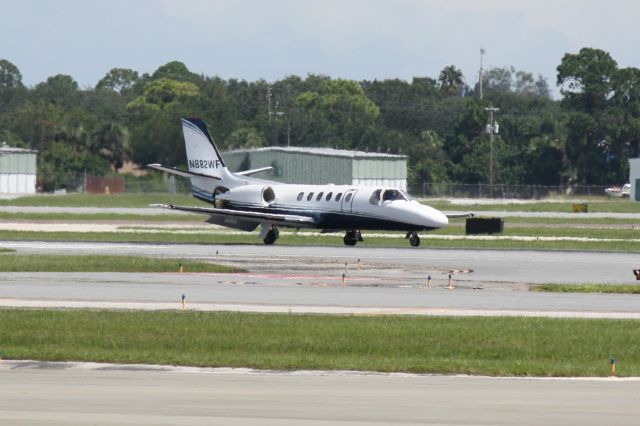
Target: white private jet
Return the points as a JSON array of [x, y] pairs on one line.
[[243, 202]]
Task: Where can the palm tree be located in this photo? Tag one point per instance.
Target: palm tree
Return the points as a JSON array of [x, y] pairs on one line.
[[451, 81]]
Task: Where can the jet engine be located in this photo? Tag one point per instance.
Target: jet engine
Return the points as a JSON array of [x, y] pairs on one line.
[[249, 194], [268, 195]]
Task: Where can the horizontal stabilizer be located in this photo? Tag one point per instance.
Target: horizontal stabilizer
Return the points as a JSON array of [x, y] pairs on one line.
[[179, 172], [254, 171], [281, 219]]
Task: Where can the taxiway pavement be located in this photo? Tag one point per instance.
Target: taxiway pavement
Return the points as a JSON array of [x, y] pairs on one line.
[[39, 393], [309, 279]]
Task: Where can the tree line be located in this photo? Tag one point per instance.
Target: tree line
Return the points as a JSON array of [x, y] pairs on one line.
[[439, 122]]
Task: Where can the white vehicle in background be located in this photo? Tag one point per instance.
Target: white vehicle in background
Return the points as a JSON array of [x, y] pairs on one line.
[[616, 191]]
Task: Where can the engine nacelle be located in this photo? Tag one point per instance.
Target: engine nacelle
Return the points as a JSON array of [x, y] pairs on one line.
[[251, 194]]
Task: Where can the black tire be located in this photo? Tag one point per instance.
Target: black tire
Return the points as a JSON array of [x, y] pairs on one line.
[[350, 241], [271, 237], [414, 240]]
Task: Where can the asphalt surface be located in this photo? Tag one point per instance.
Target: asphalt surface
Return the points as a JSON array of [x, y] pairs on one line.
[[309, 279], [291, 278], [159, 211], [36, 393]]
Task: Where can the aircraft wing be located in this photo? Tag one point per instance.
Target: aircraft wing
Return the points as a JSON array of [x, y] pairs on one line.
[[280, 219], [179, 172]]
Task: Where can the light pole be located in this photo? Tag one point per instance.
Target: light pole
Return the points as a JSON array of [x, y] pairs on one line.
[[492, 128], [482, 51]]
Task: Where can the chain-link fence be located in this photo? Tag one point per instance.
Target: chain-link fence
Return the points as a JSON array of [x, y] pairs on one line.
[[481, 190], [174, 185], [171, 185], [127, 184]]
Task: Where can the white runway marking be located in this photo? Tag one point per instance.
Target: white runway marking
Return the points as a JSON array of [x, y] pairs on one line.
[[303, 309], [98, 366]]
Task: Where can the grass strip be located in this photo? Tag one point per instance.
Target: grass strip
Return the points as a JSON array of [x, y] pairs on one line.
[[487, 346], [321, 240], [94, 263], [541, 231], [198, 218], [595, 205], [132, 200], [587, 288], [93, 217]]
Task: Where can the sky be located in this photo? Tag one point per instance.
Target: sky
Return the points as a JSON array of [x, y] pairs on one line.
[[353, 39]]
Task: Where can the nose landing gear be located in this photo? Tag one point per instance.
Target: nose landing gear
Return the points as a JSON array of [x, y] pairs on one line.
[[414, 239]]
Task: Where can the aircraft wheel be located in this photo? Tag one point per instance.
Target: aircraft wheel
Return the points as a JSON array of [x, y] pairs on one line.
[[271, 236], [350, 238], [414, 240]]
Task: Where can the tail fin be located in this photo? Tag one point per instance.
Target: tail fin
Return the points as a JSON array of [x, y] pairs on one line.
[[203, 157]]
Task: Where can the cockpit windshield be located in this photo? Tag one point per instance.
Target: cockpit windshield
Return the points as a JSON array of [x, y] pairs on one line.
[[389, 194], [393, 195]]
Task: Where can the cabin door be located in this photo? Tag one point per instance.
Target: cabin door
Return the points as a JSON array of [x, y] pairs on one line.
[[347, 201]]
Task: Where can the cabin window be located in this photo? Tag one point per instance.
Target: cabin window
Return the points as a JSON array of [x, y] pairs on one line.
[[375, 197], [300, 195], [348, 197], [319, 197], [338, 196], [329, 196], [310, 196]]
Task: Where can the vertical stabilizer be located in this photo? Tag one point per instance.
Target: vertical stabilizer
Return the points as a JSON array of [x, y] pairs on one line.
[[202, 155]]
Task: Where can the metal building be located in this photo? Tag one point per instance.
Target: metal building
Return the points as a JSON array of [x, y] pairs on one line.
[[322, 166], [17, 170]]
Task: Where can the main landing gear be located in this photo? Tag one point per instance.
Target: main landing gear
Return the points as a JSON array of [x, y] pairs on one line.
[[352, 237], [414, 239], [270, 234]]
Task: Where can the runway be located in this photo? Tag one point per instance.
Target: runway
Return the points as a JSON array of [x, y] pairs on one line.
[[37, 393], [309, 279]]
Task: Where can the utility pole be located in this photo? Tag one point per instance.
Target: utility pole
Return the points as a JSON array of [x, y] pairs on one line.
[[492, 128], [482, 51], [289, 128], [269, 94]]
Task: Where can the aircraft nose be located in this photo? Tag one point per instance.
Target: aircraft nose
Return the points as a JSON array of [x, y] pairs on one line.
[[434, 218], [441, 219]]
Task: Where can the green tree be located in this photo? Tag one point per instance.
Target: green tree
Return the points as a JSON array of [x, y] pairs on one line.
[[162, 93], [585, 79], [119, 80], [338, 114], [175, 70], [10, 76], [451, 81], [155, 131], [12, 95], [586, 82], [111, 142], [626, 106], [59, 90], [244, 138]]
